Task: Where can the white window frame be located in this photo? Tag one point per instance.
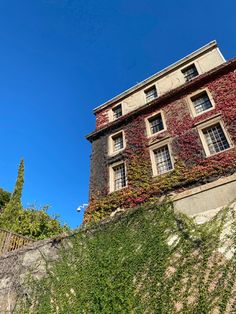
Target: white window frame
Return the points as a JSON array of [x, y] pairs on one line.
[[149, 88], [147, 123], [112, 177], [152, 156], [111, 112], [111, 151], [206, 124], [195, 94]]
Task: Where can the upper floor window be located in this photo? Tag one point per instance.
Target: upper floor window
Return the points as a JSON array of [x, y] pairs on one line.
[[215, 138], [151, 93], [162, 159], [201, 102], [117, 142], [155, 124], [117, 112], [118, 178], [190, 72]]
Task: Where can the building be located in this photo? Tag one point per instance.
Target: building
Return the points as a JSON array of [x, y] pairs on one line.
[[174, 132]]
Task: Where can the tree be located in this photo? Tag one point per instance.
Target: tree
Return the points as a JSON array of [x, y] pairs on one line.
[[15, 200], [4, 198], [29, 222]]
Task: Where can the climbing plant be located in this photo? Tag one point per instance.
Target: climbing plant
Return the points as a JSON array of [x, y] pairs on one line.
[[191, 167], [148, 260]]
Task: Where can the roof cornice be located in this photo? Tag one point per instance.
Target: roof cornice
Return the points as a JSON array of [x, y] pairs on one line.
[[175, 93], [180, 63]]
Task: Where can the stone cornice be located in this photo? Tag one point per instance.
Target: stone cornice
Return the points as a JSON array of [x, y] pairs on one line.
[[180, 63], [167, 97]]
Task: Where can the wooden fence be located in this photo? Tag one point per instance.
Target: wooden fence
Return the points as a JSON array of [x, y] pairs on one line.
[[10, 241]]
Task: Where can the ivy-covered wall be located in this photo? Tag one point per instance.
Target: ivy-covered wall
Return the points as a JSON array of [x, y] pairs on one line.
[[191, 167], [148, 260]]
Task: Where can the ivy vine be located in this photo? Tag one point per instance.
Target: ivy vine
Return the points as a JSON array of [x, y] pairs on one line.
[[148, 260]]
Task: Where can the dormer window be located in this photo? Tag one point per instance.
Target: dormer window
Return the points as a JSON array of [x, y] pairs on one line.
[[117, 112], [151, 93], [190, 72]]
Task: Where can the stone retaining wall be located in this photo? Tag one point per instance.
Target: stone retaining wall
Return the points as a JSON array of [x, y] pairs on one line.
[[16, 266]]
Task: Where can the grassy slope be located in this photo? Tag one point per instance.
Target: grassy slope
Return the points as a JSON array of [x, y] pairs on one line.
[[149, 260]]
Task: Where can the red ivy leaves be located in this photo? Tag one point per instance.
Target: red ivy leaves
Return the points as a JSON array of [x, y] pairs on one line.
[[191, 165]]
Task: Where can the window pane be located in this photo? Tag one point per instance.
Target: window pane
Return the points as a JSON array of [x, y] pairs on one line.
[[156, 124], [215, 138], [162, 159], [117, 112], [201, 103], [119, 177], [190, 72], [151, 94], [118, 142]]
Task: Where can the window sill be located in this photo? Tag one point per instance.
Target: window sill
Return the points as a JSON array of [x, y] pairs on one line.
[[215, 118], [162, 174], [196, 115], [155, 134], [114, 191], [221, 152], [116, 152]]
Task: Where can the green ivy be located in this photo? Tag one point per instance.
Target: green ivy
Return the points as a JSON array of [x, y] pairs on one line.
[[148, 260]]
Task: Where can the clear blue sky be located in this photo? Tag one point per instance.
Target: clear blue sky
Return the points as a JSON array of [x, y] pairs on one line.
[[61, 58]]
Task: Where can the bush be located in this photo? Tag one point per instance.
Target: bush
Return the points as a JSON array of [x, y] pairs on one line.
[[30, 222], [4, 198]]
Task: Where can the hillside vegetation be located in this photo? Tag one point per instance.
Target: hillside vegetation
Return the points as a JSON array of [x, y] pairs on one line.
[[147, 260]]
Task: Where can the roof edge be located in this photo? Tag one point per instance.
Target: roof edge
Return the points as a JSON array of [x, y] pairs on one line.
[[211, 45], [225, 67]]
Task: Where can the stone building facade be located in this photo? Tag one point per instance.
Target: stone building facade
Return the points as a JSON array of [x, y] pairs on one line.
[[175, 132]]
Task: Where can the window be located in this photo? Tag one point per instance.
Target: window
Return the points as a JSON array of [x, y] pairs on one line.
[[201, 102], [215, 138], [190, 72], [213, 135], [118, 177], [117, 142], [162, 159], [155, 124], [151, 93], [117, 112]]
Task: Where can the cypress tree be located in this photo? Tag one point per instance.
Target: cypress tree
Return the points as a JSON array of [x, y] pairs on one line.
[[10, 212], [15, 200], [30, 222]]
